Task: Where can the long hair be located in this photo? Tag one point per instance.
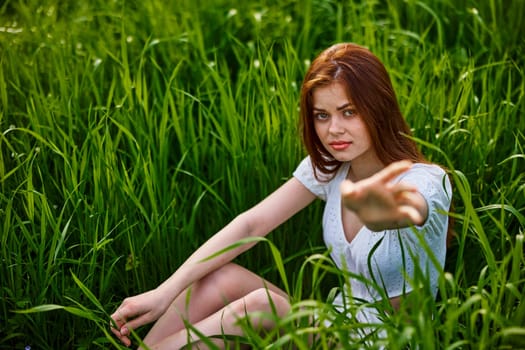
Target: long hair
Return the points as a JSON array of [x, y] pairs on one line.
[[369, 88]]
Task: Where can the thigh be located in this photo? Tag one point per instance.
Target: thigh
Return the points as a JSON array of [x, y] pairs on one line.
[[207, 296], [232, 282]]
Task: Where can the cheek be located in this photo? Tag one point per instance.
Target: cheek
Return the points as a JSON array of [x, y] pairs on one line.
[[319, 134], [365, 139], [317, 129], [363, 131]]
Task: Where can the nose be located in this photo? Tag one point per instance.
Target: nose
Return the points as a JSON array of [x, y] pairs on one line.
[[336, 126]]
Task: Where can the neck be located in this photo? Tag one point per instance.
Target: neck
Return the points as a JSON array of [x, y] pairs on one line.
[[362, 170]]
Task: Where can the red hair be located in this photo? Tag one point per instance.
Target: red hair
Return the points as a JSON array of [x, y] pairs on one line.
[[370, 90]]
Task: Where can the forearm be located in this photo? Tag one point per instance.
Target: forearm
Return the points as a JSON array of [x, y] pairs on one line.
[[256, 222]]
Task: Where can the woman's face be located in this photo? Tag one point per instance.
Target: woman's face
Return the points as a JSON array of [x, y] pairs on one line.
[[341, 130]]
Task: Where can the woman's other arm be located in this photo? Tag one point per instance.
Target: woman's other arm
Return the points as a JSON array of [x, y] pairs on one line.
[[258, 221]]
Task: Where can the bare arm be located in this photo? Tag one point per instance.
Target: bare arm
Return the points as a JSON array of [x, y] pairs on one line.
[[275, 209], [278, 207]]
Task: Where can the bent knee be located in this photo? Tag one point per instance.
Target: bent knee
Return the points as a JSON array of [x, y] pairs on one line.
[[262, 307], [266, 300], [218, 281]]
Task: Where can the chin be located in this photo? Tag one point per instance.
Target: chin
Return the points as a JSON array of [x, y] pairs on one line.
[[342, 158]]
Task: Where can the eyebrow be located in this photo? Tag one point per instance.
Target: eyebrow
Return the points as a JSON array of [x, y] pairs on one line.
[[349, 104]]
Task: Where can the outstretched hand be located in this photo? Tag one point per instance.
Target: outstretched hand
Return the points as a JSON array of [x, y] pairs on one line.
[[136, 311], [382, 204]]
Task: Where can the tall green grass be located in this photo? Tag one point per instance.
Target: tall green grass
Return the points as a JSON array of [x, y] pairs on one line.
[[131, 132]]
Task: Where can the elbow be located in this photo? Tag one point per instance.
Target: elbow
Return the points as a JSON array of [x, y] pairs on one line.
[[251, 226]]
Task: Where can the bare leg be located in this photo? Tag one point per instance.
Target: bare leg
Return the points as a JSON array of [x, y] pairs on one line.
[[206, 297], [225, 321]]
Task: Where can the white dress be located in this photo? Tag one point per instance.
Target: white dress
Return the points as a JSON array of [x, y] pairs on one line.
[[390, 257]]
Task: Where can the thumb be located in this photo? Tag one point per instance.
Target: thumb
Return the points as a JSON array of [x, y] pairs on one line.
[[351, 191], [135, 323], [347, 188]]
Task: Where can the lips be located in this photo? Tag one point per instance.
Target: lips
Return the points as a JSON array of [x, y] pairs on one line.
[[339, 145]]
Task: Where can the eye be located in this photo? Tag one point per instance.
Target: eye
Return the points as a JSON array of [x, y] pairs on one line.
[[320, 116], [348, 112]]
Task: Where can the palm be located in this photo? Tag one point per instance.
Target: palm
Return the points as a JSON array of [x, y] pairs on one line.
[[381, 204]]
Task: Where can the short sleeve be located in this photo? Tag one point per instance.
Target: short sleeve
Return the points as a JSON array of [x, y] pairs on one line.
[[434, 185], [305, 174]]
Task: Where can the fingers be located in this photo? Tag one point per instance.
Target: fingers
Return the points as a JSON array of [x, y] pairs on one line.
[[400, 187], [392, 170], [123, 338], [417, 202], [121, 335], [351, 194], [412, 216], [347, 188], [399, 166], [120, 326], [411, 204], [355, 190], [135, 323]]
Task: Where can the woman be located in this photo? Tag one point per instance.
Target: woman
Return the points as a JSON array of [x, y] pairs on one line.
[[377, 186]]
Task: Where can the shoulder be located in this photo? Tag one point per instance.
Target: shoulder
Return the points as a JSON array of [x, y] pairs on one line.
[[424, 173], [428, 168], [305, 174], [432, 181]]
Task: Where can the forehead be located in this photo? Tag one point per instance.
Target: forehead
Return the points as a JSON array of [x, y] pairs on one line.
[[335, 93]]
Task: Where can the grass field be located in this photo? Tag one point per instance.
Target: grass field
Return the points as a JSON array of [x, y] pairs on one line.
[[133, 130]]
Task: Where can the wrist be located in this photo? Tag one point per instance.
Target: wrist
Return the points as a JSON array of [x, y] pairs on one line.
[[172, 287]]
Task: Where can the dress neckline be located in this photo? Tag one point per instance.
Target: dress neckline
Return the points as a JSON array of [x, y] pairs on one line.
[[341, 177]]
